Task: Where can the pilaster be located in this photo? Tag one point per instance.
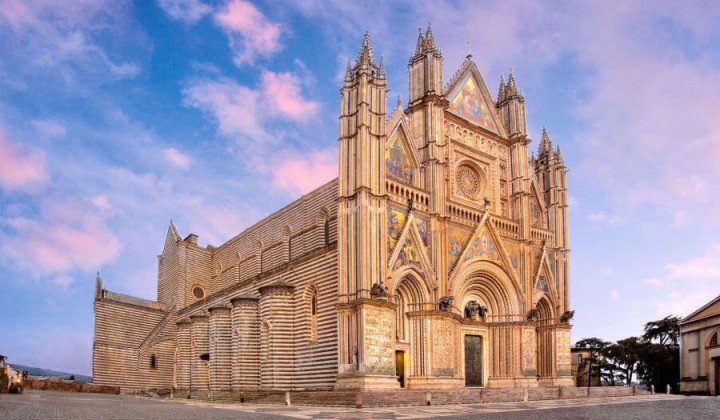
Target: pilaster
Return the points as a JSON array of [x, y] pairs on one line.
[[245, 343], [220, 342], [200, 352]]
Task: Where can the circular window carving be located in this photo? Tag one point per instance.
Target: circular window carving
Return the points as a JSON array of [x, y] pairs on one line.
[[469, 181], [198, 292]]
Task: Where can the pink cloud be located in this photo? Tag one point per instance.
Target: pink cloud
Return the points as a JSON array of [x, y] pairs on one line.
[[249, 31], [282, 91], [301, 174], [705, 266], [189, 11], [19, 165], [15, 12], [57, 246], [177, 158], [233, 106]]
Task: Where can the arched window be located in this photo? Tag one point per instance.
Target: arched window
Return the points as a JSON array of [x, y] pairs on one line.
[[313, 315], [153, 362], [713, 340], [326, 227]]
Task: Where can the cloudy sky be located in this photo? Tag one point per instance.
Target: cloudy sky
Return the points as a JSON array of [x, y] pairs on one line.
[[118, 116]]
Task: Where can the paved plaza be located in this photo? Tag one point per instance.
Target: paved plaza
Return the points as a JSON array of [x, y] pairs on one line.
[[68, 405]]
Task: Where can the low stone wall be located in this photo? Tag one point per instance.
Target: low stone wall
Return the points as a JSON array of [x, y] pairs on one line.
[[56, 384], [412, 397]]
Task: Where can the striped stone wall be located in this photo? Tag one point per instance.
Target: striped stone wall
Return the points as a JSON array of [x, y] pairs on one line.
[[245, 343], [183, 355], [200, 347], [220, 349], [276, 336]]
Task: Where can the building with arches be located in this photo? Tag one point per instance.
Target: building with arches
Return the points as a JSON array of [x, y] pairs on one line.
[[437, 259], [699, 350]]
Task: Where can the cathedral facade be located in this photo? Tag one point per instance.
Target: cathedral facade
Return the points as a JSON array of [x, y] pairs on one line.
[[438, 258]]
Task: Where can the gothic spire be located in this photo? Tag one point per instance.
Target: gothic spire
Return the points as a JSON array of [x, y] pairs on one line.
[[348, 71], [381, 71], [501, 89], [420, 44], [511, 87], [545, 143], [365, 54], [430, 40]]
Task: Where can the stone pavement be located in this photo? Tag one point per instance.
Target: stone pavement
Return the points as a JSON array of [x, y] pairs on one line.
[[68, 405]]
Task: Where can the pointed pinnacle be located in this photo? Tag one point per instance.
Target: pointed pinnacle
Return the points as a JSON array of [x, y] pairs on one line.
[[381, 70], [348, 71], [501, 89], [365, 54], [545, 143], [429, 39], [420, 43], [399, 102]]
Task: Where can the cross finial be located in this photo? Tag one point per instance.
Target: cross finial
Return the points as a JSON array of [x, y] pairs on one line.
[[469, 54]]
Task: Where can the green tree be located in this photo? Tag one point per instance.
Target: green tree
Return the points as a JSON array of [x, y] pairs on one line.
[[625, 354], [659, 355]]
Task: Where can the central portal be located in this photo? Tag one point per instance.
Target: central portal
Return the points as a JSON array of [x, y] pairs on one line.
[[473, 360]]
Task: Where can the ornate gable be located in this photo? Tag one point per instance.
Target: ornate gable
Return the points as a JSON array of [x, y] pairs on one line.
[[485, 244], [470, 99], [401, 160], [411, 251], [544, 279]]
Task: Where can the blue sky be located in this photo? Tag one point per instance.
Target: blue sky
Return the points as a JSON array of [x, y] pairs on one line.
[[117, 116]]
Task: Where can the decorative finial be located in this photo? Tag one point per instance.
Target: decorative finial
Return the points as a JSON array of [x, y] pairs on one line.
[[348, 71], [381, 70], [429, 39], [411, 205], [399, 101], [469, 54], [365, 54], [420, 43]]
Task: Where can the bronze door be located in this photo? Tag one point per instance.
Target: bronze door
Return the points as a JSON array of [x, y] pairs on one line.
[[717, 376], [473, 360], [400, 367]]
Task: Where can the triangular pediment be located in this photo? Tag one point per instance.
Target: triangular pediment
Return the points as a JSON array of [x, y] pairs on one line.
[[470, 99], [537, 207], [410, 251], [544, 279], [485, 244], [709, 309], [401, 159], [397, 221]]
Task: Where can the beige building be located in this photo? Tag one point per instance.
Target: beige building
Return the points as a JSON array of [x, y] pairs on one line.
[[699, 350], [438, 258]]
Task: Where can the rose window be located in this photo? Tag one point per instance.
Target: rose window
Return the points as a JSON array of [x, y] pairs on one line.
[[469, 181]]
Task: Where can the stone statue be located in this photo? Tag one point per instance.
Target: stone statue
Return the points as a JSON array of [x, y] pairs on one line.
[[567, 316], [473, 308], [446, 302], [378, 291]]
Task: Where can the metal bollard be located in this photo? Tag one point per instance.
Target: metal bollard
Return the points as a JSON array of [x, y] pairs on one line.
[[668, 390], [652, 389]]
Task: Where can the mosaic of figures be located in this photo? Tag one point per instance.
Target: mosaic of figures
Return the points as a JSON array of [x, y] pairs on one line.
[[398, 164], [483, 247], [408, 255], [470, 104], [541, 285], [457, 238], [513, 254], [396, 223]]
